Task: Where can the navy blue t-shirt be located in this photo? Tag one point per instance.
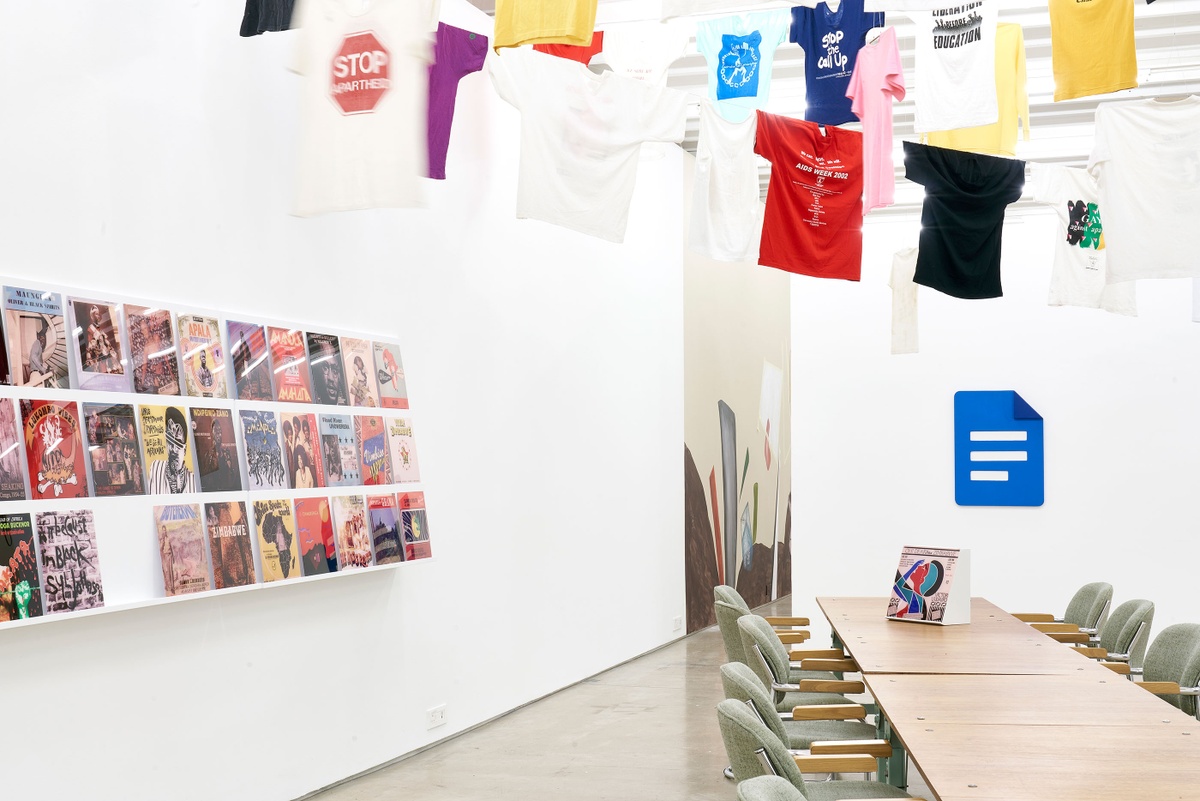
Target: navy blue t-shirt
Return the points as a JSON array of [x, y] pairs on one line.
[[831, 41]]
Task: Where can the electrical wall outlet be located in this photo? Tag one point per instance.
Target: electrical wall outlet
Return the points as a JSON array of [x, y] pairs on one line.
[[435, 716], [677, 623]]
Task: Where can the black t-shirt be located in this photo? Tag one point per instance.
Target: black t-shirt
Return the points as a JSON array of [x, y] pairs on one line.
[[962, 217], [266, 15]]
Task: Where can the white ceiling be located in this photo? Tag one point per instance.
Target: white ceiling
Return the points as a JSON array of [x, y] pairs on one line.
[[1168, 47]]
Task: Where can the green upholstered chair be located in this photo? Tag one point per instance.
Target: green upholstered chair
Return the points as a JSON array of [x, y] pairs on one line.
[[754, 751], [730, 606], [1124, 636], [1172, 666], [1086, 612], [770, 788], [770, 661]]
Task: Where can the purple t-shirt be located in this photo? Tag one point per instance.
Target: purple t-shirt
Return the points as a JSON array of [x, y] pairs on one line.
[[831, 41], [456, 53]]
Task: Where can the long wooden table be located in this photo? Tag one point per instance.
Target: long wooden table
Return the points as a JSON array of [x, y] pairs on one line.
[[1056, 727]]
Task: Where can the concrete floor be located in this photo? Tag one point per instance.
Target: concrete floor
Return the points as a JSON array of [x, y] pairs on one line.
[[643, 730]]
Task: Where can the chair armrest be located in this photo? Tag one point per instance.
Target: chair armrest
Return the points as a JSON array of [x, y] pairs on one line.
[[1047, 628], [836, 665], [816, 653], [1077, 637], [788, 621], [1117, 667], [1091, 653], [792, 637], [880, 749], [830, 686], [1033, 617], [836, 763], [1160, 687], [829, 712]]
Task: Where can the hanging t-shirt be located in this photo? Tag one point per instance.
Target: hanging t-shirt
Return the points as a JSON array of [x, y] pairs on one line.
[[456, 53], [904, 301], [580, 135], [266, 15], [955, 66], [740, 52], [1146, 161], [962, 217], [813, 221], [831, 41], [520, 22], [1012, 103], [908, 5], [878, 79], [644, 50], [1091, 47], [581, 53], [1079, 276], [726, 222], [363, 141], [687, 8]]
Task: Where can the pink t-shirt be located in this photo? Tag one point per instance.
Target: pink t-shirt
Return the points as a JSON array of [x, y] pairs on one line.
[[877, 79]]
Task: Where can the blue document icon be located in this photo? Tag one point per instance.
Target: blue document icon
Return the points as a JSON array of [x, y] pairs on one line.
[[999, 450]]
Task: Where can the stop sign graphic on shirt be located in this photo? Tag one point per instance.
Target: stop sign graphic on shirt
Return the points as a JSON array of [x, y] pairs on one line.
[[359, 73]]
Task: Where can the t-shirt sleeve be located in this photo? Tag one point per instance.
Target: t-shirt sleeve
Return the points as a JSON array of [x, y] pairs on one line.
[[303, 16], [893, 79], [1100, 148], [775, 29], [507, 70], [1043, 180], [1022, 90], [916, 163], [706, 35], [1016, 184], [476, 47], [854, 89], [666, 114], [798, 33], [764, 140]]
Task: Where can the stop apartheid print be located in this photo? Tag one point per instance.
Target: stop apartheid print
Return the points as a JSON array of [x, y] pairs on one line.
[[359, 73]]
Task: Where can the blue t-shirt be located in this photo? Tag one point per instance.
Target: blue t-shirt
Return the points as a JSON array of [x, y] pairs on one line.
[[740, 50], [831, 41]]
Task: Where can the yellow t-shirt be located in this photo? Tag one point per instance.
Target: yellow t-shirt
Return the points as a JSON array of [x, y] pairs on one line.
[[521, 22], [1012, 101], [1091, 47]]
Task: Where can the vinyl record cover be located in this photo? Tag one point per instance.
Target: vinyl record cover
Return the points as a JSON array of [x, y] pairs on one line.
[[416, 529], [99, 356], [201, 355], [169, 469], [181, 547], [264, 459], [314, 529], [350, 529], [385, 529], [389, 370], [12, 482], [216, 450], [338, 450], [113, 449], [20, 588], [37, 338], [229, 543], [251, 367], [373, 459], [290, 363], [152, 350], [277, 539], [54, 449], [358, 358], [302, 450], [325, 362], [403, 449], [70, 562]]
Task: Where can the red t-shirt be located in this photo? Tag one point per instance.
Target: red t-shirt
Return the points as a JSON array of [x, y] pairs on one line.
[[813, 222], [578, 53]]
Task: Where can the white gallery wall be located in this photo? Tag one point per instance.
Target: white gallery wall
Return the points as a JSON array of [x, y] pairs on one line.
[[148, 151], [873, 442]]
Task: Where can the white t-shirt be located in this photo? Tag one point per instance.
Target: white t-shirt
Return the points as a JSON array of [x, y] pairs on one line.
[[643, 50], [740, 52], [580, 136], [727, 215], [1079, 276], [904, 301], [955, 66], [363, 140], [1146, 161]]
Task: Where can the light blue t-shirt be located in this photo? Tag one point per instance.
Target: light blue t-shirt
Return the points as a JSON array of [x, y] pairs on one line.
[[740, 51]]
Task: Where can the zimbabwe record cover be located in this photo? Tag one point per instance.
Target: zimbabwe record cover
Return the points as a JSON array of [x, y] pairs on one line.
[[301, 449], [350, 529], [360, 378], [338, 450], [251, 369], [385, 529], [54, 449], [229, 543], [152, 350], [277, 539], [98, 354], [181, 547], [165, 438], [12, 482], [314, 529], [325, 362], [37, 340], [416, 529], [290, 362], [264, 461], [70, 562], [389, 370], [113, 449], [373, 457], [216, 450], [20, 590], [202, 357]]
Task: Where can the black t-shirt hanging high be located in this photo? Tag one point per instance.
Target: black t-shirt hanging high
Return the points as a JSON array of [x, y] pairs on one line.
[[962, 217], [266, 15]]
